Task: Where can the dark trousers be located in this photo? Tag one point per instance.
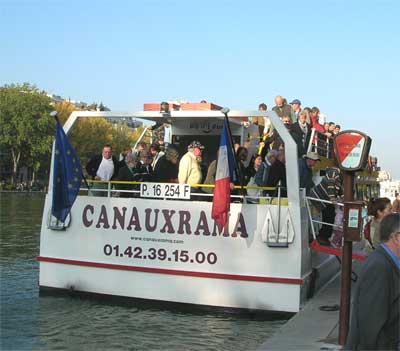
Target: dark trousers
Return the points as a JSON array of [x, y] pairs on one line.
[[328, 216]]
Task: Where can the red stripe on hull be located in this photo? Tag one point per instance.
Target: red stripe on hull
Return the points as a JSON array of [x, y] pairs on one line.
[[173, 271]]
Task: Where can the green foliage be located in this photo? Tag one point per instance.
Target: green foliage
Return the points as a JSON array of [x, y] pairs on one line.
[[25, 124], [27, 130], [64, 110]]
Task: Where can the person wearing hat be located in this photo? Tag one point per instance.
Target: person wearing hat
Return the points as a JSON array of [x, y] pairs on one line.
[[189, 165], [306, 164], [296, 103], [127, 174]]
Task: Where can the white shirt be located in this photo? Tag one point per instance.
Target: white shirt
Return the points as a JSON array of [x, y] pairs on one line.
[[267, 125], [106, 169]]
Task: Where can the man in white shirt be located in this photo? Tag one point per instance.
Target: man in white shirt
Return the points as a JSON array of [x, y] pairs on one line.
[[103, 167]]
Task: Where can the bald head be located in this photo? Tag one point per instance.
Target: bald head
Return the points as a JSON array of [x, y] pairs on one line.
[[279, 101]]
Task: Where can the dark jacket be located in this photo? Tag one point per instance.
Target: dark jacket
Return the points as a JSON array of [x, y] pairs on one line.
[[376, 305], [93, 165], [276, 175], [143, 173], [262, 177], [165, 171], [126, 174], [302, 139], [305, 175]]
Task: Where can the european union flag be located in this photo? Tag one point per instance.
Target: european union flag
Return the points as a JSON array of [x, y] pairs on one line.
[[67, 175]]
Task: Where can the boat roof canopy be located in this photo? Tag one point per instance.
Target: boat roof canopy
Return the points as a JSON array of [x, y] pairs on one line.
[[235, 117]]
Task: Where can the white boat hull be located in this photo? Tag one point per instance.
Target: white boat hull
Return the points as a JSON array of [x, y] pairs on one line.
[[232, 269]]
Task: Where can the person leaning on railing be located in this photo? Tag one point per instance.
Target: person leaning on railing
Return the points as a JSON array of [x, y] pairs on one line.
[[262, 177], [127, 174], [166, 169], [103, 167], [189, 165], [143, 170]]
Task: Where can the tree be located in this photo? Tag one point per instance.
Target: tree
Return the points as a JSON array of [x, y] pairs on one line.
[[26, 125], [64, 110]]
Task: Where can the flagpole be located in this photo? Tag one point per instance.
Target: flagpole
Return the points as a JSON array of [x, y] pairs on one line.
[[238, 172], [55, 115]]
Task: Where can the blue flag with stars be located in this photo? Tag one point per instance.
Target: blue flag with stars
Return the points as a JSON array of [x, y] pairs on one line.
[[67, 175]]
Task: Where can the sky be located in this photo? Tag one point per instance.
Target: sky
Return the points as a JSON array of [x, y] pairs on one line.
[[342, 56]]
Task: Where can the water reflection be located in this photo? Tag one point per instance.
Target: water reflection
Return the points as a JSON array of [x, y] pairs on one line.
[[70, 323]]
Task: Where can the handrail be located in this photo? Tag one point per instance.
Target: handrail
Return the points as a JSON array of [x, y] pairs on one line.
[[312, 220], [320, 144], [193, 185], [325, 201]]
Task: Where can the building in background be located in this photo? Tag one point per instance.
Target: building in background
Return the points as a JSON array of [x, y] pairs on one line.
[[389, 186]]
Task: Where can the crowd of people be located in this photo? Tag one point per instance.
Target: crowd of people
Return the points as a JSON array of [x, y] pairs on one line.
[[265, 168]]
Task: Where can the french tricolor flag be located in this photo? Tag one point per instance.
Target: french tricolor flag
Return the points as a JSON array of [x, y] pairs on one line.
[[224, 176]]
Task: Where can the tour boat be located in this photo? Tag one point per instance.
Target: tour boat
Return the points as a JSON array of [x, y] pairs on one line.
[[163, 244]]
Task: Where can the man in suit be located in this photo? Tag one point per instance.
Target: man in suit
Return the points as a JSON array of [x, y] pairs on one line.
[[143, 170], [103, 167], [303, 132], [376, 302], [262, 177]]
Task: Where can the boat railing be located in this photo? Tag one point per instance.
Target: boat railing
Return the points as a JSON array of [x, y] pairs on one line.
[[321, 144], [315, 245], [313, 215], [110, 189]]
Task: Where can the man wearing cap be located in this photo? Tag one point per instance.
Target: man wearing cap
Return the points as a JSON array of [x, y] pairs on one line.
[[306, 165], [296, 103], [189, 165]]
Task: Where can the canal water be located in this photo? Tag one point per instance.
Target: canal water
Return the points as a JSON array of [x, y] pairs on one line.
[[33, 322]]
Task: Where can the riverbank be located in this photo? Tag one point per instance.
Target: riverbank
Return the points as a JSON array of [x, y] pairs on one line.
[[315, 327]]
